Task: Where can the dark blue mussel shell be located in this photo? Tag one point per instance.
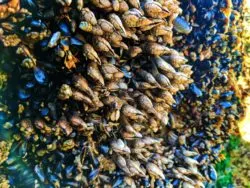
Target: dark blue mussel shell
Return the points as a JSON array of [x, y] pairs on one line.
[[40, 75]]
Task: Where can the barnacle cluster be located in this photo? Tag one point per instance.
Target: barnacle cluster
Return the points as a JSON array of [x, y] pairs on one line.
[[99, 91], [244, 80], [4, 182], [212, 102], [4, 151], [215, 75], [8, 7]]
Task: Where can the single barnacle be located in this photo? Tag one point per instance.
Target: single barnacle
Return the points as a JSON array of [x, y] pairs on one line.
[[155, 9], [77, 121], [90, 53], [65, 92], [111, 72], [162, 65], [29, 63], [156, 49], [123, 6], [102, 45], [117, 23], [148, 77], [131, 18], [134, 51], [64, 125], [132, 113], [79, 4], [146, 104], [135, 168], [119, 146], [122, 164], [154, 170], [79, 96], [82, 84], [134, 3], [115, 5], [176, 60], [105, 25], [68, 145], [88, 16], [103, 4]]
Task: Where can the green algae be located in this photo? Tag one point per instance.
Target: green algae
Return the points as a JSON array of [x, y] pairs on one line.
[[233, 170], [224, 170]]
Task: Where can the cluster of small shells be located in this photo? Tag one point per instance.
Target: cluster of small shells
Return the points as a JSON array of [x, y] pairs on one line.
[[8, 8], [134, 96], [240, 155], [119, 90], [98, 82], [244, 79], [216, 101], [211, 104]]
